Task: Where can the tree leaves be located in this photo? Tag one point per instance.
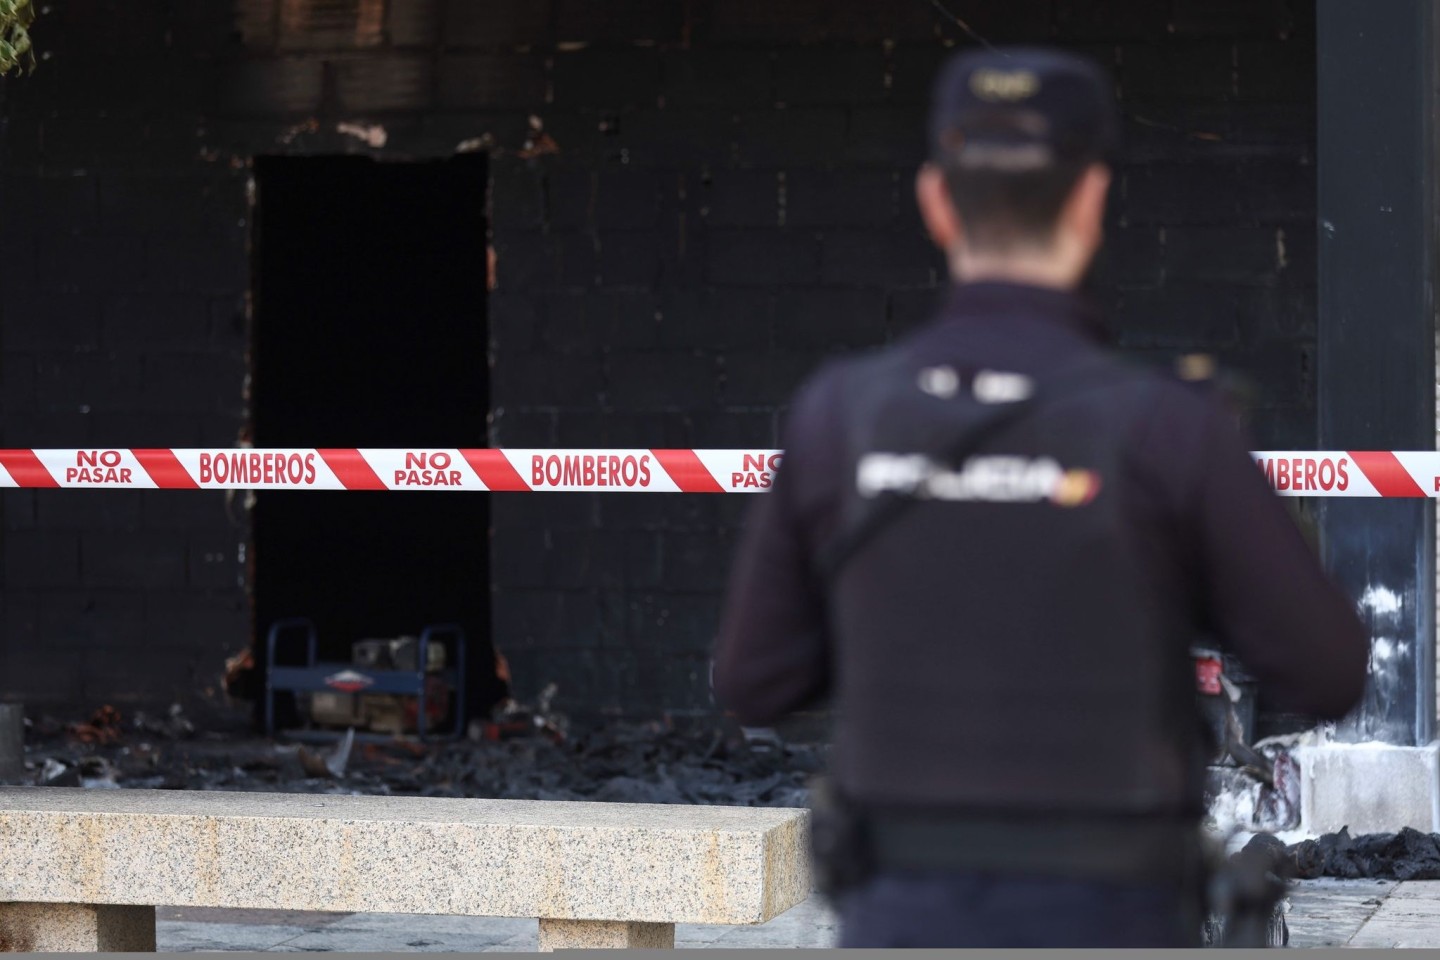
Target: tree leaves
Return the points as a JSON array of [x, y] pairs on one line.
[[16, 50]]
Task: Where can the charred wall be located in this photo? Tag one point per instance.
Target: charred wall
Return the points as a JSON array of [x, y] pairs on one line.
[[692, 204], [122, 280]]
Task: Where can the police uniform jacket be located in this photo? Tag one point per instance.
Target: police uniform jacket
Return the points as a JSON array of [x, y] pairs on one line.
[[1016, 645]]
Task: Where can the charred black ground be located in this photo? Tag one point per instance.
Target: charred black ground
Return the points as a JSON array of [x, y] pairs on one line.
[[637, 763]]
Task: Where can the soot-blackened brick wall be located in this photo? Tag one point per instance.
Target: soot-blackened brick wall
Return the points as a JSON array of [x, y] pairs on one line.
[[692, 204], [731, 200], [122, 284]]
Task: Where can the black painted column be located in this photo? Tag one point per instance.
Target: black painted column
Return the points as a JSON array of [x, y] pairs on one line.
[[1377, 334]]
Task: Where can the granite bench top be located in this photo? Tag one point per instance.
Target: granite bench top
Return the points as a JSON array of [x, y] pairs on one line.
[[659, 863]]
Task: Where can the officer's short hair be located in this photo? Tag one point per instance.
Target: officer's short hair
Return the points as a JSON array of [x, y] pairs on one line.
[[1005, 209]]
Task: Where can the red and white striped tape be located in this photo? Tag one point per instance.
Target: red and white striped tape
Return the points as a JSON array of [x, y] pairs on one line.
[[1295, 474], [644, 471], [1352, 473]]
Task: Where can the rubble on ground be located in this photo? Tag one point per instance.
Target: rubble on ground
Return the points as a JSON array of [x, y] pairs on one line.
[[525, 754], [1407, 855], [174, 725], [102, 728]]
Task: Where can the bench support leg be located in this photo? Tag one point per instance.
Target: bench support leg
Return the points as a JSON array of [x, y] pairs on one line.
[[599, 934], [76, 928]]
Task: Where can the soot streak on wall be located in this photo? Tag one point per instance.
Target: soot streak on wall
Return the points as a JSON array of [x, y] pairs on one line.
[[717, 196]]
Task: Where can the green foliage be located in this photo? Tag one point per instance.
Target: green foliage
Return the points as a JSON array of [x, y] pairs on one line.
[[16, 50]]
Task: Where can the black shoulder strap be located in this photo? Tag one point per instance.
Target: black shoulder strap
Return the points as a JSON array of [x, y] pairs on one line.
[[886, 508]]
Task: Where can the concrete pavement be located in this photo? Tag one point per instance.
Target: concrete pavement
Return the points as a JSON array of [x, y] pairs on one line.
[[1324, 913], [184, 930], [1408, 917]]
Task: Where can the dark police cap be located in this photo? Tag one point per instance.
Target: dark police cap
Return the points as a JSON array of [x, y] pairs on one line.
[[1022, 109]]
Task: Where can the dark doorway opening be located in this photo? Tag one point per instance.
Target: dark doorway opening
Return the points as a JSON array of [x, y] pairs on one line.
[[370, 331]]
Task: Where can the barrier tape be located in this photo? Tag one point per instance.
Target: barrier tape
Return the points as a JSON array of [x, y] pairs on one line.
[[645, 471], [1291, 473]]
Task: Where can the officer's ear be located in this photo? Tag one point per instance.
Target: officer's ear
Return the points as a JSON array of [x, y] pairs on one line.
[[1083, 215], [937, 210]]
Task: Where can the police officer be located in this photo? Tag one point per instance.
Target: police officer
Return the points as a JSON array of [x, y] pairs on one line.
[[990, 547]]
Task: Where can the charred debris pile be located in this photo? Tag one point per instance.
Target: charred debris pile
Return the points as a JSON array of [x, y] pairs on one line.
[[625, 762], [1407, 855]]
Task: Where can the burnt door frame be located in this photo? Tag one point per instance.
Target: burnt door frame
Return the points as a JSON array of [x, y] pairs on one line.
[[1377, 335], [340, 367]]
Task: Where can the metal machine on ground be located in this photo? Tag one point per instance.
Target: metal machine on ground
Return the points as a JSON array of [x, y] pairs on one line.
[[391, 687]]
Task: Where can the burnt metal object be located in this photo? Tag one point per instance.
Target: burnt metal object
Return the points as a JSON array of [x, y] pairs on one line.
[[1226, 696], [316, 677]]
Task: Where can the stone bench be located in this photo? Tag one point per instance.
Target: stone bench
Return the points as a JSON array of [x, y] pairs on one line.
[[85, 869]]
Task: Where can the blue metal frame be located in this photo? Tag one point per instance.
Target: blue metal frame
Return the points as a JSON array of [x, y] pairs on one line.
[[312, 678]]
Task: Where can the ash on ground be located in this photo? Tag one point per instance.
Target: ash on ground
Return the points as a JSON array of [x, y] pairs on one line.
[[622, 762]]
